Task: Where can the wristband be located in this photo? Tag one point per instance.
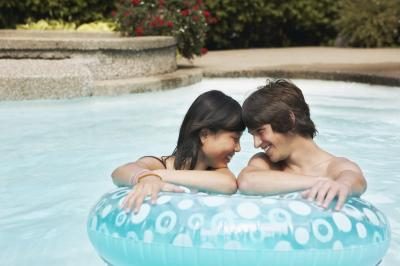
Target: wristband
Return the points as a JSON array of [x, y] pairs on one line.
[[147, 174], [133, 180]]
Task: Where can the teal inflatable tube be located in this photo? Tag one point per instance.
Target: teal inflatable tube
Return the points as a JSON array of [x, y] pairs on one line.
[[184, 229]]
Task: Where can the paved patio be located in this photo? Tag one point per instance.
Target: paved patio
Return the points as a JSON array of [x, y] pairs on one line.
[[377, 66]]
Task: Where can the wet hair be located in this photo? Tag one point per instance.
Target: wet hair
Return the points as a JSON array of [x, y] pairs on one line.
[[212, 110], [281, 104]]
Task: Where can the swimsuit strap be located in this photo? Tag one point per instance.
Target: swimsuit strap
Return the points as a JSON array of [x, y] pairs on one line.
[[158, 159]]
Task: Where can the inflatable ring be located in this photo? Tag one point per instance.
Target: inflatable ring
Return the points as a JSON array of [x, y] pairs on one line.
[[214, 230]]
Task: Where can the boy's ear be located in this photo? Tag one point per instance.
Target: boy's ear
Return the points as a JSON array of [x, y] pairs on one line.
[[204, 133]]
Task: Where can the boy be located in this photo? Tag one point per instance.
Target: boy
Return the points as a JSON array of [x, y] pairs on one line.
[[279, 119]]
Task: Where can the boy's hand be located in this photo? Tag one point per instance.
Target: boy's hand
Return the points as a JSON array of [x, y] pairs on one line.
[[325, 190]]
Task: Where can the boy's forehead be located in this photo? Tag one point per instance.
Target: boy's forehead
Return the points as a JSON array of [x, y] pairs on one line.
[[254, 130]]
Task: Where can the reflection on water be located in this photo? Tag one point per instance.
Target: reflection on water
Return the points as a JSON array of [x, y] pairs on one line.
[[56, 156]]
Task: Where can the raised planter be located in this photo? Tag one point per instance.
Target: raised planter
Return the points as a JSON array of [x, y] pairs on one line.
[[109, 55], [37, 64]]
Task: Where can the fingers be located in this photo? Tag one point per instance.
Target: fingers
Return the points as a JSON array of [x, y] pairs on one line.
[[342, 197], [138, 202], [322, 192], [128, 201], [134, 199], [329, 197], [154, 195], [314, 191]]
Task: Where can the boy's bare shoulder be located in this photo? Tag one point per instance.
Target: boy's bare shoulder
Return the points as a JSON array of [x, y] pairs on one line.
[[261, 160], [340, 164]]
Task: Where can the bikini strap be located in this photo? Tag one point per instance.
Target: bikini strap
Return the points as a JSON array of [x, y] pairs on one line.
[[163, 162]]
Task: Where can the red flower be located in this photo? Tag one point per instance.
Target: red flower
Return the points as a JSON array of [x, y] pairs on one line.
[[206, 13], [185, 12], [159, 21], [200, 2], [113, 13], [203, 51], [161, 2], [139, 31], [136, 2], [170, 24], [195, 7]]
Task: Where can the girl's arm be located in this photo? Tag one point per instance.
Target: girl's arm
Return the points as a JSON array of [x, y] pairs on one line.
[[219, 181], [126, 175]]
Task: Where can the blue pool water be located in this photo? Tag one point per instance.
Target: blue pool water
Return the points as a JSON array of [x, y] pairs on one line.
[[56, 156]]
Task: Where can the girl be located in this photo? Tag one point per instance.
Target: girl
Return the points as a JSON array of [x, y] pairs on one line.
[[208, 138]]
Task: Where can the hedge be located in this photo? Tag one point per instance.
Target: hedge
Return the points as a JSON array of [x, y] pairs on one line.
[[78, 11]]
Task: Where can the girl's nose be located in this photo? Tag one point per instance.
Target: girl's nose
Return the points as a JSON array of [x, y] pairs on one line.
[[237, 147]]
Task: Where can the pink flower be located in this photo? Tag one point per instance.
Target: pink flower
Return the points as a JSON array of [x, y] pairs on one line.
[[170, 24]]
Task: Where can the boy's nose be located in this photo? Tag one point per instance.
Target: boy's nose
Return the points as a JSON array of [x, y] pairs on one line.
[[257, 141]]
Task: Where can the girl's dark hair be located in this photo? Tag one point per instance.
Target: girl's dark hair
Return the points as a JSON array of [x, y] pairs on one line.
[[282, 105], [212, 110]]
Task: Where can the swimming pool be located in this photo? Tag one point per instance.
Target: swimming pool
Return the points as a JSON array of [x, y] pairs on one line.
[[56, 156]]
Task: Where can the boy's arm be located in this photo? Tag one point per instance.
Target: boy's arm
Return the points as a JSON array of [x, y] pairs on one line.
[[262, 177], [347, 180]]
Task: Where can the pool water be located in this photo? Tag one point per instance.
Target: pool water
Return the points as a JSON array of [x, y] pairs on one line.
[[56, 156]]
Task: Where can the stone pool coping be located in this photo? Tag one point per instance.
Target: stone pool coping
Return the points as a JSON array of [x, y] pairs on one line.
[[375, 66]]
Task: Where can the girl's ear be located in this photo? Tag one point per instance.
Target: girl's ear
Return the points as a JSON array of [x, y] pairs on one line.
[[292, 118], [204, 133]]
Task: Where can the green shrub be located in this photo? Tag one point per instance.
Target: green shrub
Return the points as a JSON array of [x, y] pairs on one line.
[[77, 11], [186, 20], [260, 23], [369, 23], [97, 26]]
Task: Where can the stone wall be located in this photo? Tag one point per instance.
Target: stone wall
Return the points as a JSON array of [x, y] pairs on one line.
[[37, 64]]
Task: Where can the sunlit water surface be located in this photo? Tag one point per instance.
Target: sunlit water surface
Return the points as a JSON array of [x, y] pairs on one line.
[[56, 156]]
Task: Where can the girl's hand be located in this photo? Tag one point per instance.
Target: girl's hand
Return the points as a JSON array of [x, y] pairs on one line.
[[148, 186]]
